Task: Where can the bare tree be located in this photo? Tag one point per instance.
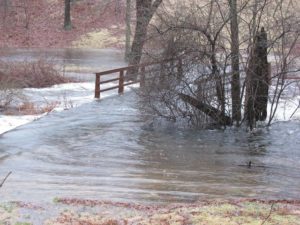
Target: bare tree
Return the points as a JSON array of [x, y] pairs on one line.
[[216, 50], [201, 44], [257, 81], [286, 38]]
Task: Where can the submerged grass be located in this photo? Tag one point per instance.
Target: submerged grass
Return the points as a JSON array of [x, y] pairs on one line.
[[75, 211]]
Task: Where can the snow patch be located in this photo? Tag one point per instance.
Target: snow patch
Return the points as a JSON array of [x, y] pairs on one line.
[[66, 96], [8, 123]]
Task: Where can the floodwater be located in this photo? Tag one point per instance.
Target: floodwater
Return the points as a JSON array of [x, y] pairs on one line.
[[91, 58], [108, 150], [80, 64]]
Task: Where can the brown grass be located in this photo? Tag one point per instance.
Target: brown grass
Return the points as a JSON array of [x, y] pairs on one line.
[[29, 108], [212, 212]]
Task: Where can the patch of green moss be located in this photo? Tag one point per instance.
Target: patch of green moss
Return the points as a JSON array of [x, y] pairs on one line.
[[55, 200]]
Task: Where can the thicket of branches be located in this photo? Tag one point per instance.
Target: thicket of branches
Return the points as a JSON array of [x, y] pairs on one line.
[[198, 88]]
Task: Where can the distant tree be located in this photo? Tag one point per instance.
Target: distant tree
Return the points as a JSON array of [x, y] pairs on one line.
[[4, 4], [67, 22], [128, 29]]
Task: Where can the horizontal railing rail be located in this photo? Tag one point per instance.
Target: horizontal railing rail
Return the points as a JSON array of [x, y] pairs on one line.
[[123, 82]]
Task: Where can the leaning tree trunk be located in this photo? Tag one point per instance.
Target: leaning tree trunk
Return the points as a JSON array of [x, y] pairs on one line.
[[257, 81], [67, 22], [217, 115]]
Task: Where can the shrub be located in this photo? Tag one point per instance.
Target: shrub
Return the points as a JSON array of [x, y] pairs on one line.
[[8, 92], [17, 75], [29, 108], [38, 74]]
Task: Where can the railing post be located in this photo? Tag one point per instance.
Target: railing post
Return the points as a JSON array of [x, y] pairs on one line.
[[97, 86], [142, 80], [121, 82]]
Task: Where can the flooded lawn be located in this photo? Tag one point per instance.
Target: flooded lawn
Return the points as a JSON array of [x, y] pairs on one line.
[[78, 58], [108, 150], [106, 162]]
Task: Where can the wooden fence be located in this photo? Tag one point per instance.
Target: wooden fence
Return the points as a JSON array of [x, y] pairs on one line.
[[122, 81], [142, 70]]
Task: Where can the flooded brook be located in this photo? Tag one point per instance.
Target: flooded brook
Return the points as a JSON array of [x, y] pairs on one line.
[[80, 64], [108, 150], [97, 59]]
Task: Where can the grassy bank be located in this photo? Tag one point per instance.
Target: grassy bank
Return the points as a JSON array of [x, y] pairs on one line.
[[75, 211]]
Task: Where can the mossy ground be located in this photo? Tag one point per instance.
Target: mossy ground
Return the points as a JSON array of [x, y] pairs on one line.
[[75, 211]]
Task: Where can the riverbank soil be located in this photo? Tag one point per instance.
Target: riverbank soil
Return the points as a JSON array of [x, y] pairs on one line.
[[39, 23], [75, 211]]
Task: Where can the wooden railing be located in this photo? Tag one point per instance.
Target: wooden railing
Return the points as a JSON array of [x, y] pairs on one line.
[[122, 81], [141, 71]]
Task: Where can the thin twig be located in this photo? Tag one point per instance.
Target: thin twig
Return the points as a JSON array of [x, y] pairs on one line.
[[5, 179], [295, 110], [266, 219]]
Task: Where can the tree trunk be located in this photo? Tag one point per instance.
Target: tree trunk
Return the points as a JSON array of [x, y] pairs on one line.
[[218, 79], [145, 10], [257, 81], [138, 41], [143, 18], [235, 79], [67, 22], [128, 29]]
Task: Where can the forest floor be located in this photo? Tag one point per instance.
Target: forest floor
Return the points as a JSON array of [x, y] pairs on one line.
[[39, 23], [91, 212]]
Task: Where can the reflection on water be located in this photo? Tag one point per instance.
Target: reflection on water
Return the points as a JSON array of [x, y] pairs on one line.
[[104, 150]]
